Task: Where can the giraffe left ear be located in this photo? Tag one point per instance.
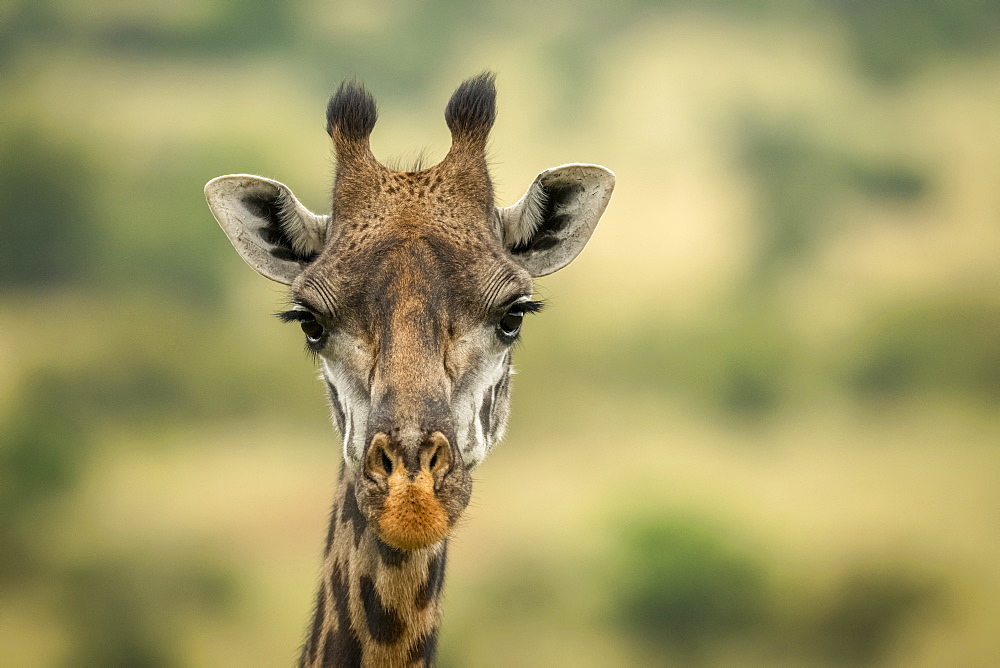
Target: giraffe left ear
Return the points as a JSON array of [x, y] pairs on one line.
[[552, 223], [267, 225]]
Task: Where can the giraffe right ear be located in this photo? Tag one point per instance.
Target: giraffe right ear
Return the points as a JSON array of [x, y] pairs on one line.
[[267, 225], [552, 223]]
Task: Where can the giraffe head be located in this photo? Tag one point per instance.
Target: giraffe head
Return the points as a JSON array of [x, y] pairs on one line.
[[411, 293]]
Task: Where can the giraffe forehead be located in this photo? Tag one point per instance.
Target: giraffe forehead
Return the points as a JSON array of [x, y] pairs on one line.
[[453, 194], [428, 270]]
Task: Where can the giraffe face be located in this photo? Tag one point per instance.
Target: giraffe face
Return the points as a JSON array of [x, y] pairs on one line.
[[415, 352], [412, 294], [418, 347]]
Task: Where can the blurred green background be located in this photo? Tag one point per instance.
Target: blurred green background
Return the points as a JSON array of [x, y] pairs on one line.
[[758, 423]]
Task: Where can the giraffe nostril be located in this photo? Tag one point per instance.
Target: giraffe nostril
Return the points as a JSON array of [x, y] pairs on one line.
[[380, 461], [435, 455]]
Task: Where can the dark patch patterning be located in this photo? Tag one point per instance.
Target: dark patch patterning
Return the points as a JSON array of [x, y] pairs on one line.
[[389, 555], [342, 645], [338, 409], [435, 580], [425, 648], [351, 512], [317, 627], [383, 623]]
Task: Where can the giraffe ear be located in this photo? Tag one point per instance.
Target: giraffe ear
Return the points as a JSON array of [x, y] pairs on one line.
[[551, 224], [269, 227]]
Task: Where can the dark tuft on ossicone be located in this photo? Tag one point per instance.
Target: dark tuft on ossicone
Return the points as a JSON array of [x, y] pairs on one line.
[[351, 110], [472, 109]]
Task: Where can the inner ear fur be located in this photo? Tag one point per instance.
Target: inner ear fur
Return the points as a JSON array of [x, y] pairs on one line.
[[552, 223], [270, 229]]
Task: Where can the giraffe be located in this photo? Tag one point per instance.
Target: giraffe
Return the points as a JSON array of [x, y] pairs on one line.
[[411, 294]]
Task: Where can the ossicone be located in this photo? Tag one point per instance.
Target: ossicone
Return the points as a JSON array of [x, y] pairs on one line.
[[351, 113], [472, 110]]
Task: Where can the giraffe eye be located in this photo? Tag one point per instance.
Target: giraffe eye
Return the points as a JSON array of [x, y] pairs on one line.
[[312, 329], [510, 324], [307, 321]]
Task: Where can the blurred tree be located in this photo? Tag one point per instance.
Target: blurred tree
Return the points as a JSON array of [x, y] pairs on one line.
[[680, 588], [871, 609], [42, 452], [47, 219], [894, 40], [925, 349], [112, 620], [798, 178]]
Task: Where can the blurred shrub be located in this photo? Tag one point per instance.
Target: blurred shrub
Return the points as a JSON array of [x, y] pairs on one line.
[[799, 177], [43, 448], [893, 40], [165, 239], [119, 611], [749, 364], [687, 592], [69, 219], [869, 612], [888, 180], [48, 222], [681, 587], [109, 616], [125, 611], [45, 442], [741, 363], [796, 180], [928, 348], [135, 389]]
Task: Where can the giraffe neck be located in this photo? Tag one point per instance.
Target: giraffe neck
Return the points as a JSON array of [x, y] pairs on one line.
[[376, 605]]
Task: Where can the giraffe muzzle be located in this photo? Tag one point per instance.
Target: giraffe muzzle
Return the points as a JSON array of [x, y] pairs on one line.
[[412, 516]]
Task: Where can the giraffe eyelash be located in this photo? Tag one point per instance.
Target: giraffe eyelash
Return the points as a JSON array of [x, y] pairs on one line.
[[295, 315], [523, 307], [303, 315], [530, 306]]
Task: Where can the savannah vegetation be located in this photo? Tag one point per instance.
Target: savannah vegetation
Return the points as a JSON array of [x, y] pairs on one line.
[[758, 422]]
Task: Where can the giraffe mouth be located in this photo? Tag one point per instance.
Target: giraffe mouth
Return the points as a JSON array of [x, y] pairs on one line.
[[412, 516], [414, 495]]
